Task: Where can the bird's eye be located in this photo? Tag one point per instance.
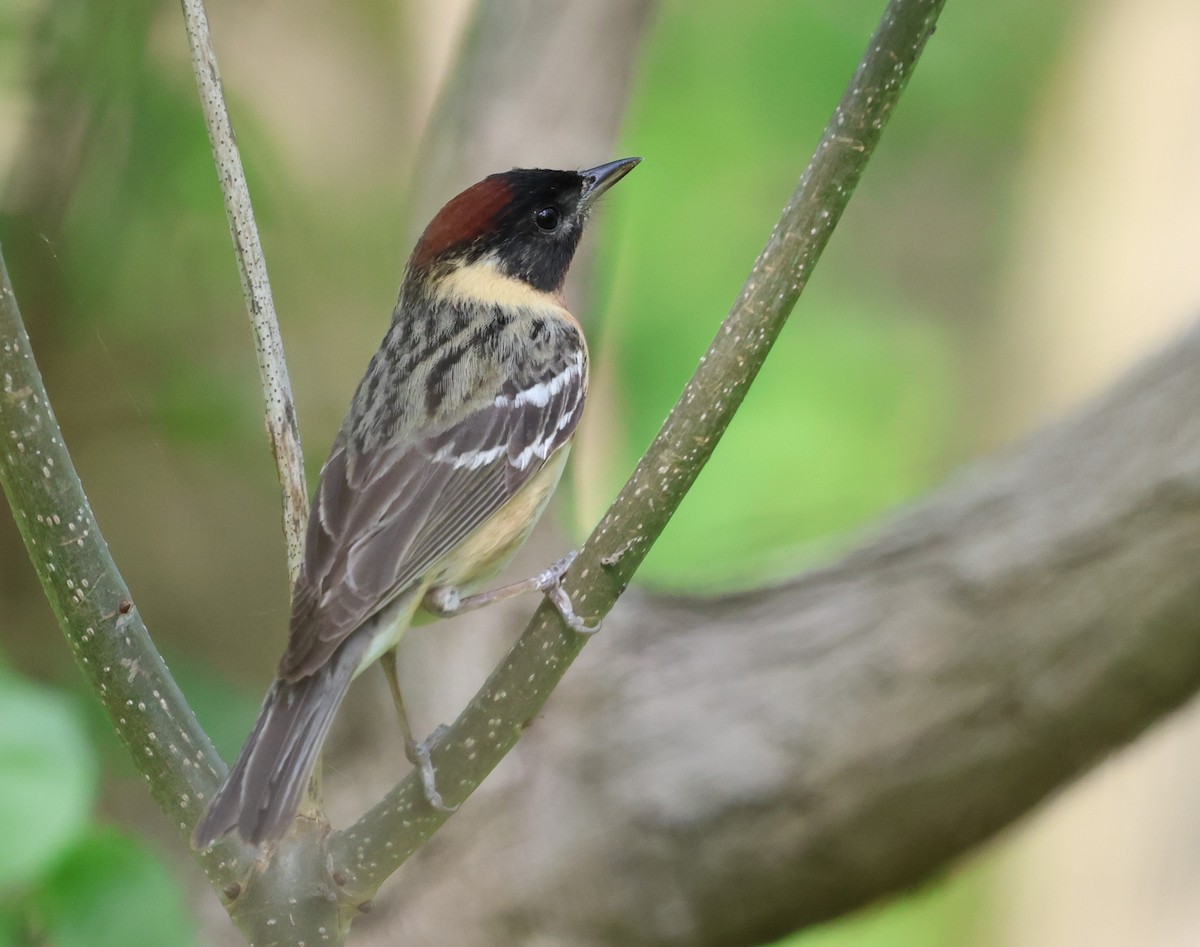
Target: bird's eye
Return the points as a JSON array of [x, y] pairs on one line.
[[546, 218]]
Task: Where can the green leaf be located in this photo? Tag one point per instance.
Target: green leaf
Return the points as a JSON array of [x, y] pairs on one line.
[[110, 891], [47, 778]]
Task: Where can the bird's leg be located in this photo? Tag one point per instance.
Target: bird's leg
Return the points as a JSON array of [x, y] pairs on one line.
[[417, 753], [445, 600], [566, 610]]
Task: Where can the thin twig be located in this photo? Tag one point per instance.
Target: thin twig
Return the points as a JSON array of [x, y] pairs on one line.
[[387, 835], [282, 428], [92, 602]]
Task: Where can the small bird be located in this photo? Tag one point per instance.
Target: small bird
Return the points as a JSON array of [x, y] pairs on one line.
[[453, 444]]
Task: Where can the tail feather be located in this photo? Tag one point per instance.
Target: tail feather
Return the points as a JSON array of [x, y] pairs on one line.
[[264, 788]]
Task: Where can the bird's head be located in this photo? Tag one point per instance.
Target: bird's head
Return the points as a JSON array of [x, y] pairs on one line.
[[524, 224]]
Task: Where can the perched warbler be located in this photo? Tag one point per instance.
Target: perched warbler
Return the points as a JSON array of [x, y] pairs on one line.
[[452, 446]]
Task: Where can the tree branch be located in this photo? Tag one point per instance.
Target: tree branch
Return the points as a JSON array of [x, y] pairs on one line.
[[282, 427], [489, 727], [92, 603], [722, 772]]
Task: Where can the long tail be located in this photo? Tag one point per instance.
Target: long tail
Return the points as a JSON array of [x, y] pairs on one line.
[[262, 793]]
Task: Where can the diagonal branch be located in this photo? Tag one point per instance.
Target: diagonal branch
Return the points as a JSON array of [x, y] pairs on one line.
[[92, 603], [386, 836], [282, 427]]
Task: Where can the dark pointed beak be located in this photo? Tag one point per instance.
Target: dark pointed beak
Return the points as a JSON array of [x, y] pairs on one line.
[[599, 179]]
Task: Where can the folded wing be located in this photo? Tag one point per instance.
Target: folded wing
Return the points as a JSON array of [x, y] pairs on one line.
[[382, 518]]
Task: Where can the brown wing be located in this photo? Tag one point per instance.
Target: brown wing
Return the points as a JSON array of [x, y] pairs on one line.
[[380, 519]]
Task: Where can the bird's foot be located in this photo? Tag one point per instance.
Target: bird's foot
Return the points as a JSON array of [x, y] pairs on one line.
[[561, 600], [418, 755]]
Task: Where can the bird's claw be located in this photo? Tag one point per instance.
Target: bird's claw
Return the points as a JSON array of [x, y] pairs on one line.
[[420, 759], [550, 582], [562, 602]]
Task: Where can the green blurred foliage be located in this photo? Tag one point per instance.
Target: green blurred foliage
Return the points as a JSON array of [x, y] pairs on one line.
[[950, 914], [49, 777], [110, 892], [64, 880], [10, 926], [861, 404]]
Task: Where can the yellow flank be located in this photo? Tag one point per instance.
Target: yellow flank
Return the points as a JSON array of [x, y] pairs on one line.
[[482, 282], [487, 550], [475, 561]]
